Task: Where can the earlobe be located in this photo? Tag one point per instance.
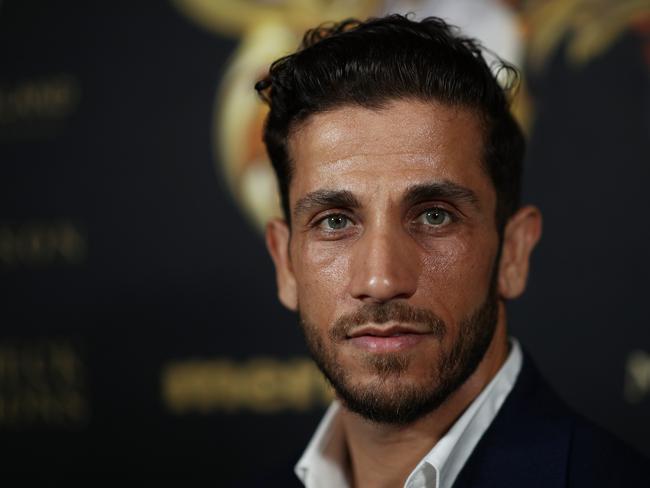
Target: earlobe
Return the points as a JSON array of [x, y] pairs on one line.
[[521, 234], [277, 242]]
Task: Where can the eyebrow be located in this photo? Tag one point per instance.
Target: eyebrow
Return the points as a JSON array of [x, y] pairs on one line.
[[444, 190], [325, 199]]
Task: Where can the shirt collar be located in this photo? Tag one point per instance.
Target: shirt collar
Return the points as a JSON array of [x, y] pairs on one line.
[[323, 462]]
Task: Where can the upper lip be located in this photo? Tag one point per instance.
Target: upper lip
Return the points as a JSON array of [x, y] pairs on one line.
[[391, 330]]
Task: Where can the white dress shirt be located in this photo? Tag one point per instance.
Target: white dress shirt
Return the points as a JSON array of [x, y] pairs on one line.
[[322, 465]]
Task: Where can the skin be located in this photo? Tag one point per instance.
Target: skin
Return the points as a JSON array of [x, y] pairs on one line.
[[384, 248]]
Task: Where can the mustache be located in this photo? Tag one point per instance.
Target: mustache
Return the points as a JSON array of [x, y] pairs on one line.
[[381, 313]]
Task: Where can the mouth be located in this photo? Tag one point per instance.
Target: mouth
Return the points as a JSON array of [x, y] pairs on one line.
[[392, 338], [387, 331]]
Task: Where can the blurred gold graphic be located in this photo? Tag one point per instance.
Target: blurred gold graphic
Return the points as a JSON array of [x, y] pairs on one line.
[[42, 382], [261, 385], [41, 244], [268, 30], [239, 17], [36, 107], [637, 377], [589, 27]]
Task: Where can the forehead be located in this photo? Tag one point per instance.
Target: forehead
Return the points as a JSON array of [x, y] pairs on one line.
[[402, 143]]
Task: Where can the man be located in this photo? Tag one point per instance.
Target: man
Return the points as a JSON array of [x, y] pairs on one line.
[[399, 168]]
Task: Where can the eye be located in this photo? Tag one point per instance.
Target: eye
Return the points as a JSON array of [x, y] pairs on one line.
[[335, 222], [435, 217]]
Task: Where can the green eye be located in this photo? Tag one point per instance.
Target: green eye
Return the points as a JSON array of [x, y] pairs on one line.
[[336, 222], [436, 216]]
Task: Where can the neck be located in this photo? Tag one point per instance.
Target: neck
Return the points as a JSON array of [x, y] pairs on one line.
[[383, 455]]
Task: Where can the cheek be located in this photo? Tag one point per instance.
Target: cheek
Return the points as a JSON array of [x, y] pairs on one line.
[[457, 275], [322, 279]]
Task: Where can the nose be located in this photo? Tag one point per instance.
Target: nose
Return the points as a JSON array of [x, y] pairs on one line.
[[385, 266]]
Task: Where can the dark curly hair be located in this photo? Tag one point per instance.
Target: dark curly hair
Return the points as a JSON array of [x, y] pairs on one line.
[[382, 59]]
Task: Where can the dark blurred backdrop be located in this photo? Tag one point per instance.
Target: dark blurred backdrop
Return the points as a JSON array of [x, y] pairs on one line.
[[139, 326]]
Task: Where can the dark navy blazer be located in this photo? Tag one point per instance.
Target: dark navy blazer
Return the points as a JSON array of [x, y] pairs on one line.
[[536, 441]]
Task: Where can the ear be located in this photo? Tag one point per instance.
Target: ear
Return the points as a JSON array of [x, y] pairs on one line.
[[277, 242], [520, 236]]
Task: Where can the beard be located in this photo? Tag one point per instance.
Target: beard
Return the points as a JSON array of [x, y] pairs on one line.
[[390, 397]]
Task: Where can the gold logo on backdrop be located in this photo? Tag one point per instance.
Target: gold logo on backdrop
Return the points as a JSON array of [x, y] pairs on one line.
[[42, 382], [36, 107], [261, 385], [268, 30], [589, 27], [637, 376], [40, 244]]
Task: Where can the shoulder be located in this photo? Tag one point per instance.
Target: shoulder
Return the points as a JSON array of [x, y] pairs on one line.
[[598, 458], [536, 440]]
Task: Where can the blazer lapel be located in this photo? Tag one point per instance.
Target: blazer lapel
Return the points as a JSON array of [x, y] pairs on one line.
[[528, 443]]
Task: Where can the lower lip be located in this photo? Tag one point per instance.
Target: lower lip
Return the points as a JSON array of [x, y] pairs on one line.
[[387, 344]]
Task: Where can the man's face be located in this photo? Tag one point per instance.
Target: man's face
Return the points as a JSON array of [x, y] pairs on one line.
[[392, 256]]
